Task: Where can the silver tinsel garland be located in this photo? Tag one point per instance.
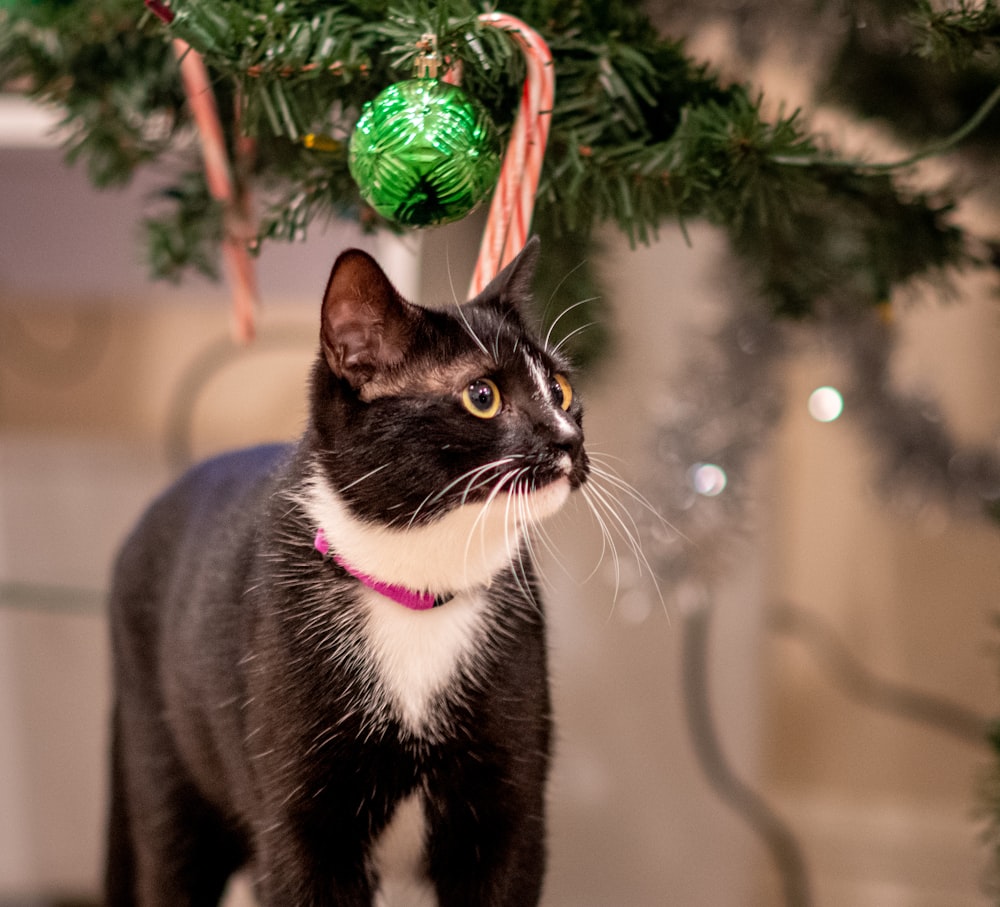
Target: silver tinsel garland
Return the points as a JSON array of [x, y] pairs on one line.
[[705, 443], [730, 399]]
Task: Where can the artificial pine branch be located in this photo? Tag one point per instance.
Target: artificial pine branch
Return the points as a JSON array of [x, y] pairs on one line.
[[109, 71], [186, 235], [959, 34]]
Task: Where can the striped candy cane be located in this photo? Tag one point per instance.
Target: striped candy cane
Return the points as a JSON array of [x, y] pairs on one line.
[[514, 199], [238, 223]]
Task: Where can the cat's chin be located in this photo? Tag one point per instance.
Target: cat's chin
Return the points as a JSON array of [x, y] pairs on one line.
[[461, 550], [541, 503]]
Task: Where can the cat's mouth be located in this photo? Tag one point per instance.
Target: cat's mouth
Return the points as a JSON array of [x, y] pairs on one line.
[[574, 471]]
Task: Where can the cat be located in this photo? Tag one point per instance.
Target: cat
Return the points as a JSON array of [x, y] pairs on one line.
[[330, 657]]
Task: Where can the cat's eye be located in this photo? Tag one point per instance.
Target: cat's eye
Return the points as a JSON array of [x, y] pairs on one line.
[[482, 398], [562, 392]]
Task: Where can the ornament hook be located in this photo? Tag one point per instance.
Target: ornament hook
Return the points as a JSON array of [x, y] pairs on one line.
[[427, 62]]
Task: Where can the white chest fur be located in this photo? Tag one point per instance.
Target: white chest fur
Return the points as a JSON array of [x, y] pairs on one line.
[[399, 858], [418, 654]]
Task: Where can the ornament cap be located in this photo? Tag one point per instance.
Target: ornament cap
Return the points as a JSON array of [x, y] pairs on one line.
[[427, 62]]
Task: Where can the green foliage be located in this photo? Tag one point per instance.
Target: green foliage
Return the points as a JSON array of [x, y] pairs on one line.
[[959, 34], [922, 69], [188, 231], [113, 75]]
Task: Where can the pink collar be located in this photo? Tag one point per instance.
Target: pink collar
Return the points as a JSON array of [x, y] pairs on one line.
[[415, 601]]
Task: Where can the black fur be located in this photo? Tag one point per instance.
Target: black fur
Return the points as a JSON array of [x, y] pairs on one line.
[[249, 728]]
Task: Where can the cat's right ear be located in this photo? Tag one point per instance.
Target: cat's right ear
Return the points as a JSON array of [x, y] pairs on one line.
[[366, 324], [511, 288]]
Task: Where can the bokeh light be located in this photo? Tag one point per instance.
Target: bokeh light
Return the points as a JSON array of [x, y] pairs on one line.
[[826, 404], [708, 479]]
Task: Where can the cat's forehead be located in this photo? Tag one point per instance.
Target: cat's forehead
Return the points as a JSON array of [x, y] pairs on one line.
[[476, 347], [423, 375]]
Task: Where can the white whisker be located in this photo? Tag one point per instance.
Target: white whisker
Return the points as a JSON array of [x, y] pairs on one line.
[[496, 338], [625, 527], [549, 545], [559, 317], [366, 476], [522, 501], [621, 518], [471, 332], [471, 475], [608, 545], [475, 482], [515, 545], [483, 511], [451, 277], [600, 467], [558, 286], [522, 517], [558, 347]]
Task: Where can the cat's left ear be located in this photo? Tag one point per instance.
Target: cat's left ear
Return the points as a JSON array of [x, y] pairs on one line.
[[366, 324], [512, 287]]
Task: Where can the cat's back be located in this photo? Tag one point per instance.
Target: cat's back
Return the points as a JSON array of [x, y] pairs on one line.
[[202, 523]]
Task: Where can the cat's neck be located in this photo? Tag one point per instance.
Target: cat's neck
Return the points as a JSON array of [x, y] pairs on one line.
[[462, 550], [415, 601]]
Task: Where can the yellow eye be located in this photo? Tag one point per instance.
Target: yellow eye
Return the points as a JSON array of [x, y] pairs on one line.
[[482, 398], [562, 393]]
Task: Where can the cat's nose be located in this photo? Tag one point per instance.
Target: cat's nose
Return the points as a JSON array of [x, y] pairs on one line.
[[569, 439], [573, 461]]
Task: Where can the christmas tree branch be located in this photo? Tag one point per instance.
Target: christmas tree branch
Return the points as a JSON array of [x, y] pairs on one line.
[[640, 133], [935, 149], [959, 33]]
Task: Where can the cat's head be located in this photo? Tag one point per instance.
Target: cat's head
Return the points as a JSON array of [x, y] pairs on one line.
[[441, 435]]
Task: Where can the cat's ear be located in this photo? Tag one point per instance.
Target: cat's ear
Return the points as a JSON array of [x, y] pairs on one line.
[[512, 287], [366, 324]]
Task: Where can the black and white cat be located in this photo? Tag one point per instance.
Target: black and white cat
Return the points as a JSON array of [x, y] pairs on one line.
[[329, 658]]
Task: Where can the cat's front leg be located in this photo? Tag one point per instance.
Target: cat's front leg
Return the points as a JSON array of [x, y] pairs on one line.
[[488, 855], [293, 867], [312, 846]]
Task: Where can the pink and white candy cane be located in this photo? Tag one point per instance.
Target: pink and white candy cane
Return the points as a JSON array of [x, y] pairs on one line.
[[238, 224], [514, 198]]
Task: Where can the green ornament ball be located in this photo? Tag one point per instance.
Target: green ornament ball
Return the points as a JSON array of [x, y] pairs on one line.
[[424, 152]]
